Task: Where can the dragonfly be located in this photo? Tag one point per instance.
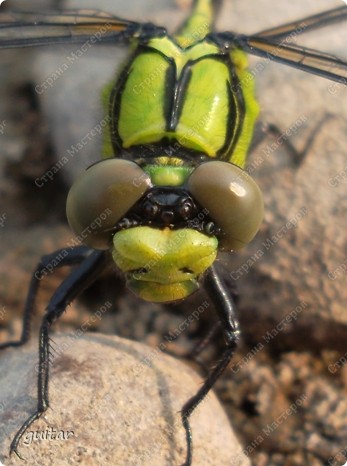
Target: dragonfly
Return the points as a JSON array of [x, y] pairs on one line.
[[172, 172]]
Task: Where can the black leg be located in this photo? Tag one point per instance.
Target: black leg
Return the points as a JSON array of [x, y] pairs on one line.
[[202, 344], [198, 348], [60, 258], [225, 307], [70, 288], [297, 156]]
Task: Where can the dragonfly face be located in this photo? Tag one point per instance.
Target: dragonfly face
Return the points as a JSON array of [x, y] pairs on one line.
[[163, 237]]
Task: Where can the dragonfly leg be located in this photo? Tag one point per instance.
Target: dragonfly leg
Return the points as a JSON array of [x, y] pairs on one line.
[[226, 310], [62, 257], [296, 156], [69, 289], [204, 342]]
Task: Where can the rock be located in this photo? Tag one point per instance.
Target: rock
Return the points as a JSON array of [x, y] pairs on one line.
[[110, 407]]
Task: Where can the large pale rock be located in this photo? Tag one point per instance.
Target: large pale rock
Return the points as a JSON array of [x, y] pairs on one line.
[[112, 402]]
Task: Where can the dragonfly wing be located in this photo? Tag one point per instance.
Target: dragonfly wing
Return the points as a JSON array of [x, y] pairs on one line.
[[313, 61], [308, 24], [72, 26]]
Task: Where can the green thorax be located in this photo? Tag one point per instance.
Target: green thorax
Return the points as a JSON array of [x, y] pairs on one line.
[[183, 92]]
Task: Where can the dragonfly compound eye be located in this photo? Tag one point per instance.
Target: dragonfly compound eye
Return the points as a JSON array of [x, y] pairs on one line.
[[101, 196], [233, 200]]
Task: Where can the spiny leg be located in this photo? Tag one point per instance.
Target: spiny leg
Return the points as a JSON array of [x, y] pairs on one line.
[[201, 345], [216, 329], [297, 156], [204, 342], [226, 310], [70, 288], [69, 256], [198, 348]]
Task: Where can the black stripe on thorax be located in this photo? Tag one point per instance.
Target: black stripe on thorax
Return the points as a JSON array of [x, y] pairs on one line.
[[237, 111]]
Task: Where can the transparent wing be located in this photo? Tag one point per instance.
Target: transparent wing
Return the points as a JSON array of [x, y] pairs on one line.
[[313, 61], [19, 29], [308, 24], [275, 44]]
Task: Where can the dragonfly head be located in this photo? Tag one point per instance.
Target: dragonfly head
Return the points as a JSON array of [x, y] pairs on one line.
[[164, 230]]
